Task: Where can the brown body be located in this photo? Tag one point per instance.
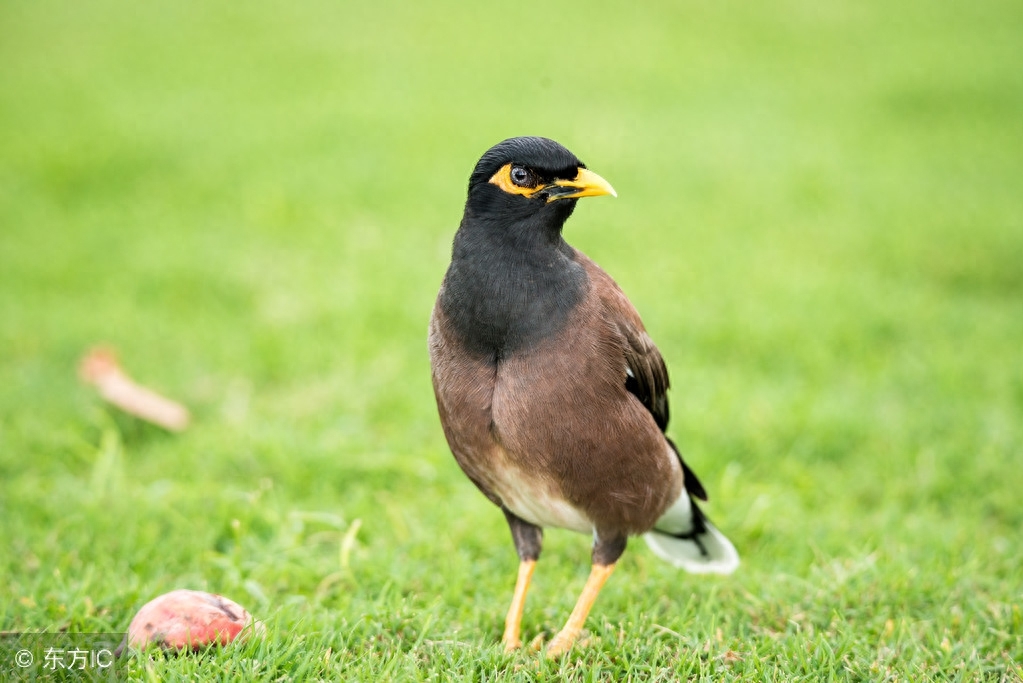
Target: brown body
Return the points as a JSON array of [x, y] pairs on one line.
[[556, 437]]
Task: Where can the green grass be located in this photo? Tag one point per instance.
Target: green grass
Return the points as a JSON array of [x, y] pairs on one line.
[[819, 218]]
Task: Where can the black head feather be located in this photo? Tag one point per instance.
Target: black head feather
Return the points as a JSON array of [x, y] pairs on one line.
[[543, 155], [523, 217]]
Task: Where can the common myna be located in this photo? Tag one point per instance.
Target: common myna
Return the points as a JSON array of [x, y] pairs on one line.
[[551, 395]]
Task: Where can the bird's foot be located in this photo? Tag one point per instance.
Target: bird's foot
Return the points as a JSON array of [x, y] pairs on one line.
[[511, 642], [562, 642]]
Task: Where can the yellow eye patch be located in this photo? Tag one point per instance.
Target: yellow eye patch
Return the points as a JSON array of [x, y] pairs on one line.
[[503, 180]]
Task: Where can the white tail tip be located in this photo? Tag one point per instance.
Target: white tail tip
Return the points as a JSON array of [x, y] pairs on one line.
[[709, 553]]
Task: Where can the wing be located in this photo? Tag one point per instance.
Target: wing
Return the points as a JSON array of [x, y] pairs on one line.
[[646, 375]]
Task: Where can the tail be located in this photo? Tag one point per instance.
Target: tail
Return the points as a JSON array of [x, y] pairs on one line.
[[685, 537]]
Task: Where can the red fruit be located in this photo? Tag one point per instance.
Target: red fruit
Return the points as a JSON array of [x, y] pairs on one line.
[[188, 620]]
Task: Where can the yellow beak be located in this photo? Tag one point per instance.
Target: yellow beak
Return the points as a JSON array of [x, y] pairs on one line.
[[585, 184]]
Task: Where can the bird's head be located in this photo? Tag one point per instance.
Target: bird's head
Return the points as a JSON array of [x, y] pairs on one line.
[[533, 180]]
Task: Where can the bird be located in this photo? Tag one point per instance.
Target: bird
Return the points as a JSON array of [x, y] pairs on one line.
[[551, 395]]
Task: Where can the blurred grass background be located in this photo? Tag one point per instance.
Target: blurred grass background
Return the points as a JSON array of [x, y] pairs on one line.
[[819, 218]]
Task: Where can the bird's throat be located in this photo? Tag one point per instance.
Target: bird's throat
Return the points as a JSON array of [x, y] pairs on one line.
[[503, 296]]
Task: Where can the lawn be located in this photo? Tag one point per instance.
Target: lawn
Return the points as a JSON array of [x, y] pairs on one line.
[[820, 218]]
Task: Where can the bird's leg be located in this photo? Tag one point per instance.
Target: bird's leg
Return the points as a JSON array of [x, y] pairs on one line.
[[563, 642], [513, 621], [605, 554], [528, 541]]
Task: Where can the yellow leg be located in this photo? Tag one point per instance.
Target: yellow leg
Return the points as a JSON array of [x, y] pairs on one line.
[[563, 642], [518, 604]]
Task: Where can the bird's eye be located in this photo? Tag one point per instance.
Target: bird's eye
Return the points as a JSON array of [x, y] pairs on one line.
[[522, 176]]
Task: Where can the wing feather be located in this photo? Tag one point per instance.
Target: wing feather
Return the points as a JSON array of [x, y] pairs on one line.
[[645, 373]]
